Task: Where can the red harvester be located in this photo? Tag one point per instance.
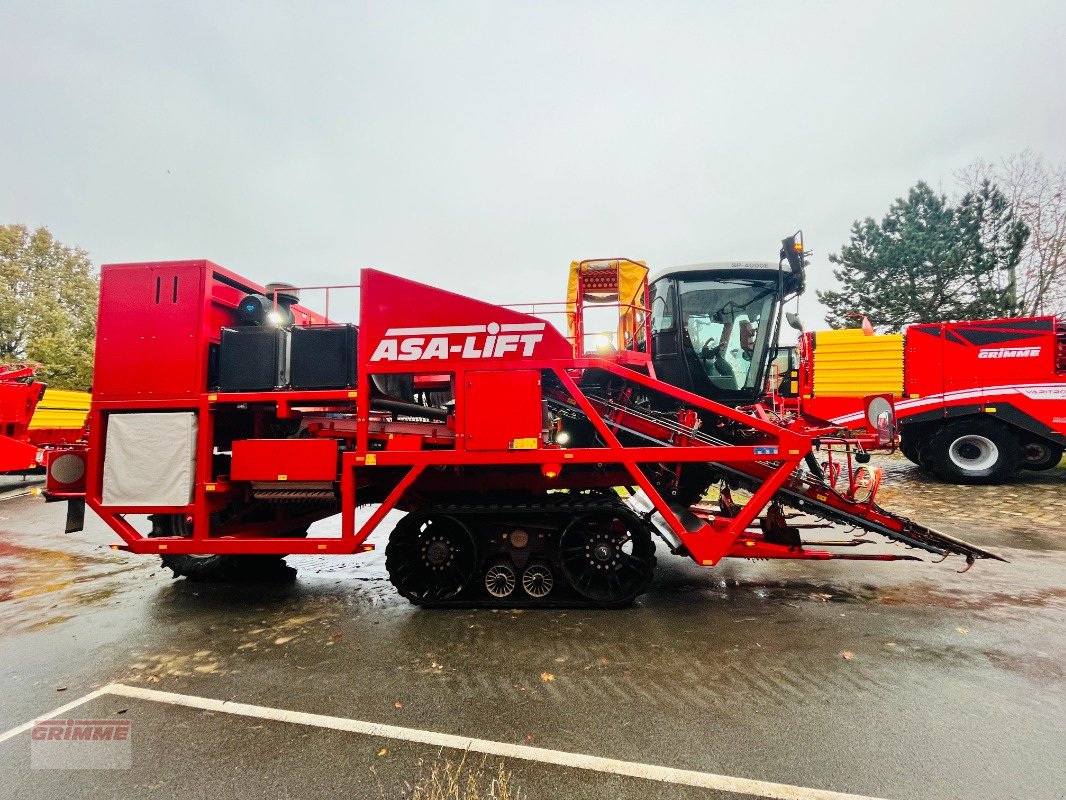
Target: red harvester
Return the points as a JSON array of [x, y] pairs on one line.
[[975, 401], [233, 417]]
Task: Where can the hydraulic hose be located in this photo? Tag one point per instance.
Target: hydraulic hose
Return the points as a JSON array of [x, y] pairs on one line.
[[409, 409]]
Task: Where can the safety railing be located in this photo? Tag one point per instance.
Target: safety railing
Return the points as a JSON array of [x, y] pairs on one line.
[[620, 337], [329, 292]]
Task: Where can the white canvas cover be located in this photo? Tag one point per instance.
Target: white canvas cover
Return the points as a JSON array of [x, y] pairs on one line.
[[150, 459]]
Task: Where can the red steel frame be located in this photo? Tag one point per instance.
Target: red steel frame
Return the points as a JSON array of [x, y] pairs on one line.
[[706, 547]]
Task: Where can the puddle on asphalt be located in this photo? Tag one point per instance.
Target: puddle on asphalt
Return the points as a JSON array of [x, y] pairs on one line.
[[680, 589], [39, 588], [925, 595]]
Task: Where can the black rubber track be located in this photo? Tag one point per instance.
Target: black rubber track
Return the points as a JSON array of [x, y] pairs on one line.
[[559, 511]]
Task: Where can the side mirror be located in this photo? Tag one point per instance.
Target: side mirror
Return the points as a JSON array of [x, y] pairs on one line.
[[881, 418], [886, 429], [792, 252]]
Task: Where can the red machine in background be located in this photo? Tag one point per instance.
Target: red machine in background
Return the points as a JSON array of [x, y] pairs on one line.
[[227, 418], [34, 419], [975, 401], [19, 395]]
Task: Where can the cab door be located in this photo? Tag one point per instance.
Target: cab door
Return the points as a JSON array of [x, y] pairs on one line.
[[664, 333], [784, 371]]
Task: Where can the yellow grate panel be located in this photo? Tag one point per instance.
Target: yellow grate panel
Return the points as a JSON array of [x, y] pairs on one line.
[[849, 363], [61, 408]]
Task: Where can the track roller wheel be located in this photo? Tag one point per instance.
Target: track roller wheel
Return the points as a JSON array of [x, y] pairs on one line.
[[607, 556], [537, 580], [430, 558], [501, 580]]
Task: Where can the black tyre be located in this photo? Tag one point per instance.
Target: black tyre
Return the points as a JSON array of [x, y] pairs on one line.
[[973, 451], [196, 567], [1040, 455], [214, 567], [908, 445]]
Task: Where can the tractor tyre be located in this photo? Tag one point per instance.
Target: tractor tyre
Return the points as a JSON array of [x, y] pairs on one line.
[[1040, 455], [193, 567], [973, 451], [215, 567], [908, 445]]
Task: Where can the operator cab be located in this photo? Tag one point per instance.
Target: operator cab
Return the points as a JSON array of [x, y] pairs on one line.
[[715, 326]]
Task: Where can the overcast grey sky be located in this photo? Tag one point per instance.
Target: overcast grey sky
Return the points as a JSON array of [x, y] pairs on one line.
[[483, 145]]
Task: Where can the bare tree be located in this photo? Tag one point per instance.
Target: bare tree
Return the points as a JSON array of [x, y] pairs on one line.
[[1036, 190]]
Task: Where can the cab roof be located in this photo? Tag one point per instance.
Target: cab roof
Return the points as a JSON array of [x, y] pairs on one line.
[[769, 267]]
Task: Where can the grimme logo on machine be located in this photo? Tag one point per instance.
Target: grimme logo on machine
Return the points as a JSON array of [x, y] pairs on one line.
[[459, 341], [1009, 352]]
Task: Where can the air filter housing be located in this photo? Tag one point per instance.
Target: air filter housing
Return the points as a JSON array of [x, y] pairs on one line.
[[253, 359], [323, 356]]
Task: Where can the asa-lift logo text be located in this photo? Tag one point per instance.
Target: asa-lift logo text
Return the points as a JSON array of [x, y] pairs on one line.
[[493, 340]]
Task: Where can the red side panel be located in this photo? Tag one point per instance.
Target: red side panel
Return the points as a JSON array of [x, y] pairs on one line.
[[410, 327], [923, 361], [1005, 367], [982, 354], [148, 332], [16, 455], [18, 401], [503, 410], [284, 460], [157, 324]]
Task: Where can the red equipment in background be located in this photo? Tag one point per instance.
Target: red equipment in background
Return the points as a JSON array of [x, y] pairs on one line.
[[227, 418], [34, 421], [19, 395], [975, 401]]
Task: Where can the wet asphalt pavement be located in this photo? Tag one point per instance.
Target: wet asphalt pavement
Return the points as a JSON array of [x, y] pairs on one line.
[[898, 680]]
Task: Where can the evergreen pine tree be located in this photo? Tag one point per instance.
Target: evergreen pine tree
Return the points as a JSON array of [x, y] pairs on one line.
[[929, 260]]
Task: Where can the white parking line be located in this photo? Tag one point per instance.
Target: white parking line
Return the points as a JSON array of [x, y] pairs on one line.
[[55, 712], [613, 766], [652, 772]]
